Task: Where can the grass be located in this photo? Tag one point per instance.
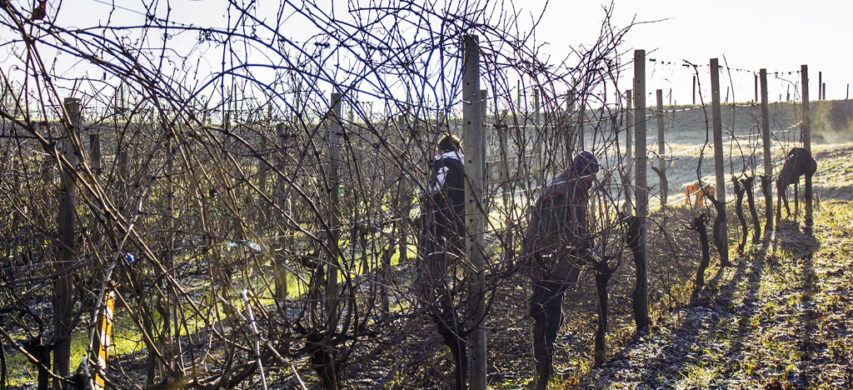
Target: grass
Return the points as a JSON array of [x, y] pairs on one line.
[[125, 341], [789, 302]]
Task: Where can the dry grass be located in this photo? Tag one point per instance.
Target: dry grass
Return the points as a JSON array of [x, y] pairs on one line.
[[779, 315]]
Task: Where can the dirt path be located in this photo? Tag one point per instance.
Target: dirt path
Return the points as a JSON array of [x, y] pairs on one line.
[[778, 319]]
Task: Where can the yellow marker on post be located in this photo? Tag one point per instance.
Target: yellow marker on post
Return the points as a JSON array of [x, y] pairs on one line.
[[104, 337]]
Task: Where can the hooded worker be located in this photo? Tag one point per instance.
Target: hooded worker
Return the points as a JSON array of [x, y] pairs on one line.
[[557, 236]]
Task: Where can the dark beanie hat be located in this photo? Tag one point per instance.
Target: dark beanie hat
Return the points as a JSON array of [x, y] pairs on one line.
[[585, 164]]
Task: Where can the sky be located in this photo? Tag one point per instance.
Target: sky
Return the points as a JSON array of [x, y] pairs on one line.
[[779, 35]]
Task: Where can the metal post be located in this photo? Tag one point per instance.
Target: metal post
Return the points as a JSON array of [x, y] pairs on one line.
[[536, 121], [641, 296], [756, 87], [694, 90], [768, 158], [819, 86], [723, 244], [807, 144], [474, 216], [518, 95]]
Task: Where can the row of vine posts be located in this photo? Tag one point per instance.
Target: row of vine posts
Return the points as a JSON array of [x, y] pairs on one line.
[[282, 237]]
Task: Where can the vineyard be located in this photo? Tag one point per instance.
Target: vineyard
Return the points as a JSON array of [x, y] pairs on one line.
[[261, 224]]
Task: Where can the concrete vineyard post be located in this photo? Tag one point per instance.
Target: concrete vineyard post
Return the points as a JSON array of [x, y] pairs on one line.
[[95, 151], [627, 206], [664, 185], [641, 193], [66, 250], [332, 210], [474, 217], [807, 145], [768, 157], [281, 196], [484, 118], [723, 243]]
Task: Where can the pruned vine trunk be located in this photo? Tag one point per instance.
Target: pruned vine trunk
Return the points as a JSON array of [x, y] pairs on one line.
[[766, 190], [739, 190], [719, 233], [640, 301], [602, 276], [698, 225], [748, 184], [37, 348], [326, 365]]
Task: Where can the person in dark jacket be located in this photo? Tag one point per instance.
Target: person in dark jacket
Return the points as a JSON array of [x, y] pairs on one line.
[[447, 198], [557, 236], [441, 246]]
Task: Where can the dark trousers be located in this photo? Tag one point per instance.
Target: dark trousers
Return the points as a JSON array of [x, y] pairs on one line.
[[550, 283], [439, 251]]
